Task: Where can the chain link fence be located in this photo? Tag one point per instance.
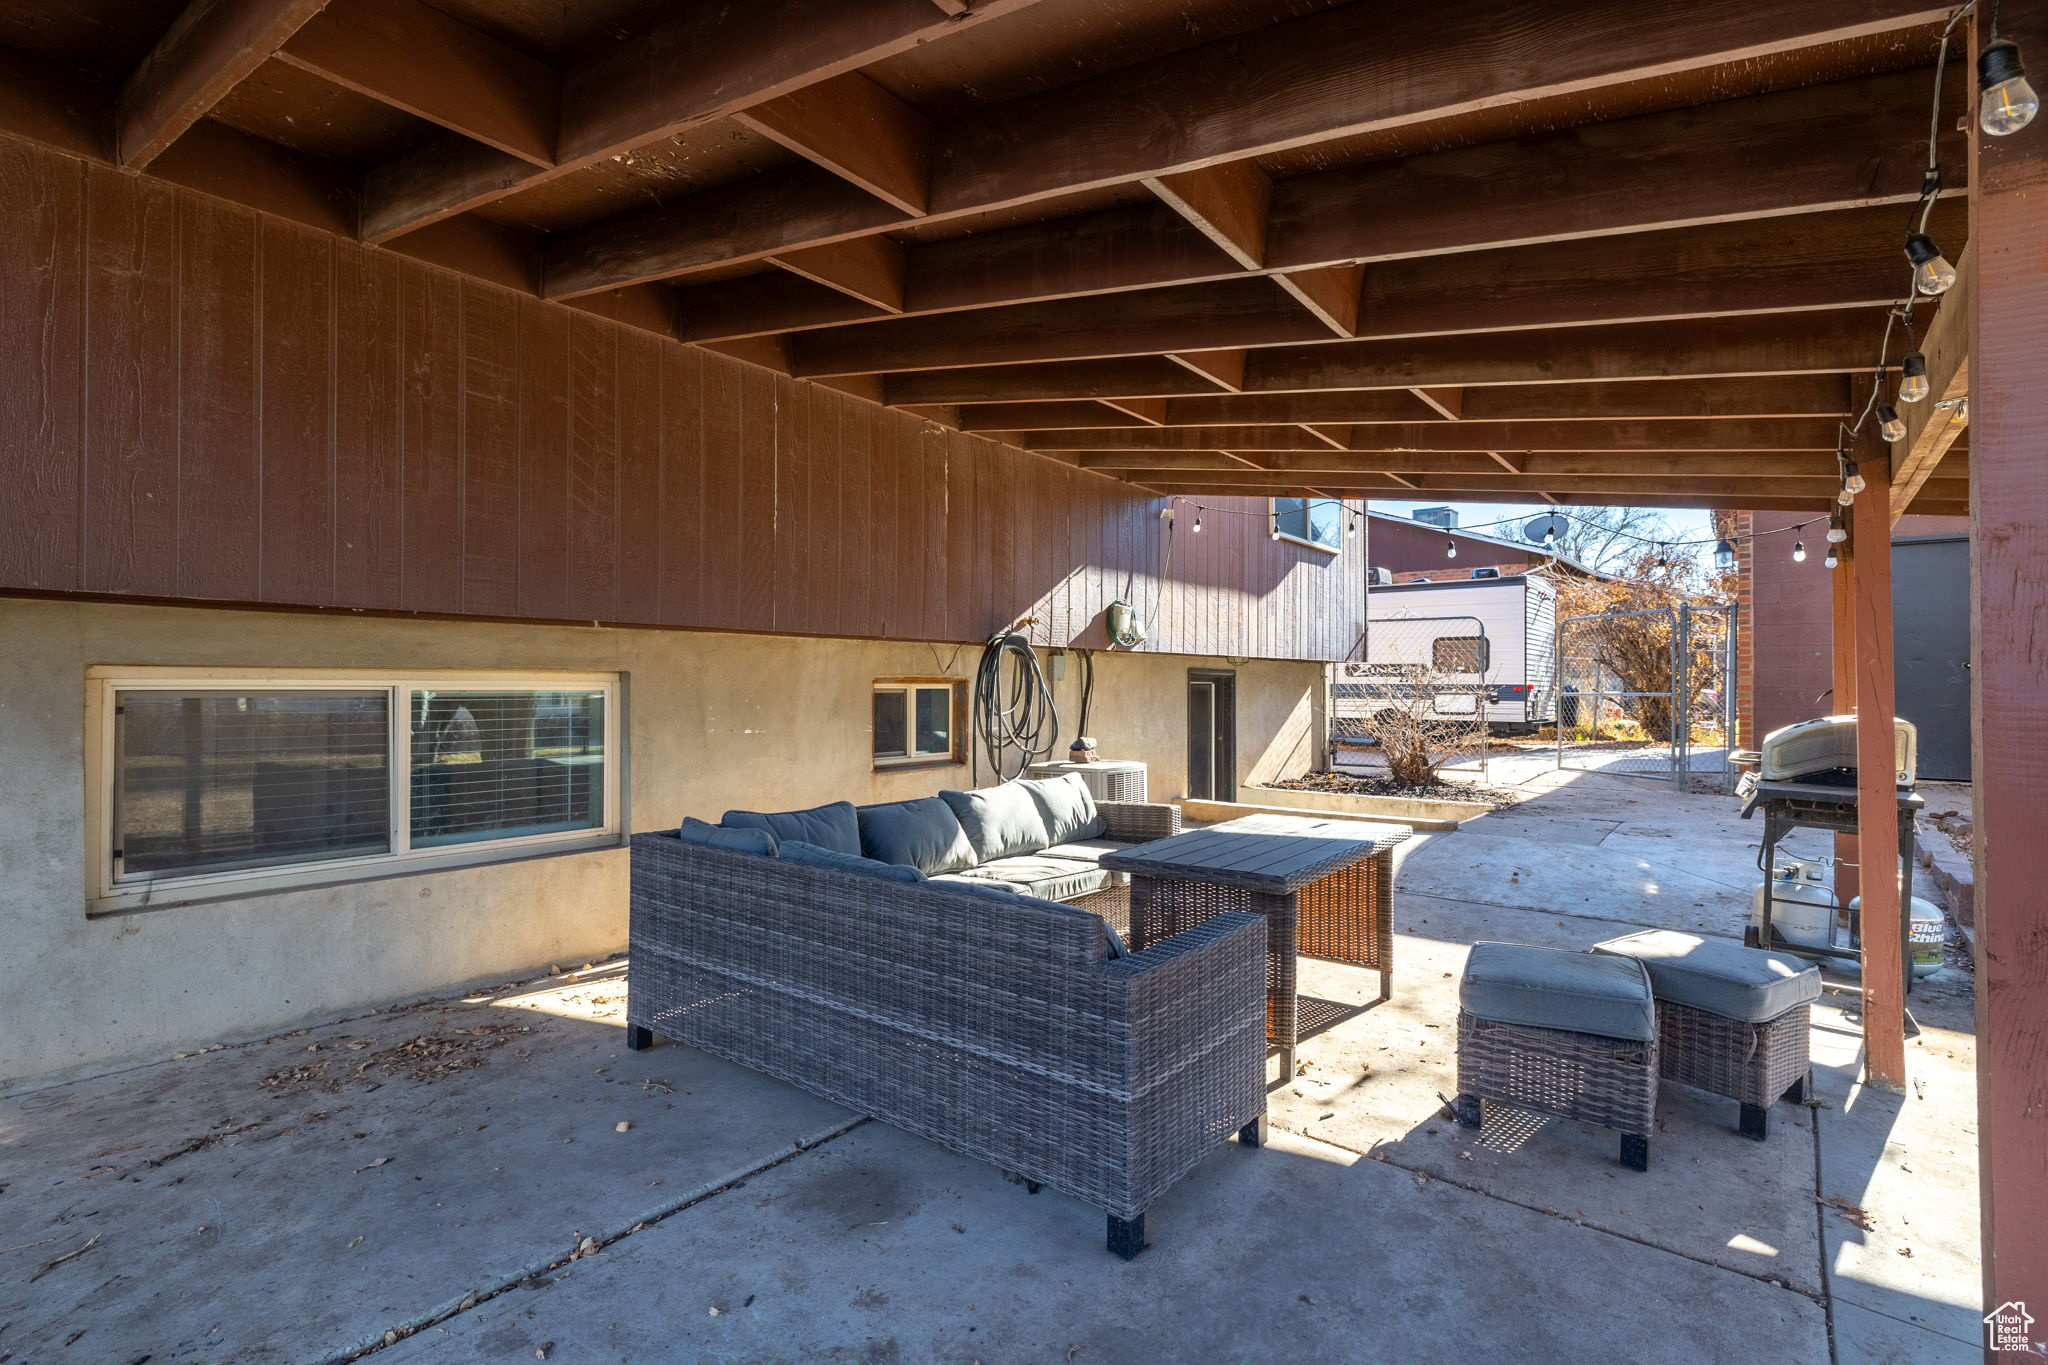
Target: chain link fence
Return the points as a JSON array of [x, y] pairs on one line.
[[1647, 693]]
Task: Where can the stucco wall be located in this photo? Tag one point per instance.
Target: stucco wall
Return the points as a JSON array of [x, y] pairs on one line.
[[714, 721]]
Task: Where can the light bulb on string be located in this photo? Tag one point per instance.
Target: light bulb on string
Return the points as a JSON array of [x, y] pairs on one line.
[[1837, 533], [1913, 379], [1932, 274], [1798, 552], [1845, 497], [1832, 560], [1450, 549], [1853, 481], [1198, 521], [2006, 103], [1889, 424]]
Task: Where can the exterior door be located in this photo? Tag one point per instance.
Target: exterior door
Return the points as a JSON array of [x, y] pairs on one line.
[[1212, 734], [1931, 649]]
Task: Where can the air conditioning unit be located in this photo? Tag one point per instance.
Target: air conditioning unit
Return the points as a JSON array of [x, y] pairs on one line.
[[1377, 577], [1486, 573]]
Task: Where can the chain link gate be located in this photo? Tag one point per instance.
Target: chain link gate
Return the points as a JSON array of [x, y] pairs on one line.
[[1422, 686], [1648, 693]]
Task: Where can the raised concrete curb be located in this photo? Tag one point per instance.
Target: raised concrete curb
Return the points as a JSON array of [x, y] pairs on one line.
[[1949, 870]]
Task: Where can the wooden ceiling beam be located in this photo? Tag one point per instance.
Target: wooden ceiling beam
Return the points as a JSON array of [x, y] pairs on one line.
[[1730, 434], [210, 48], [856, 130], [1834, 342], [1448, 403], [1934, 424], [1226, 368], [1423, 464], [748, 220], [707, 312], [1354, 69], [1225, 203], [1841, 145], [1814, 262], [413, 57], [1187, 486], [1133, 377], [1242, 312], [1147, 411], [1848, 145], [868, 269], [1047, 416], [1330, 293], [708, 62]]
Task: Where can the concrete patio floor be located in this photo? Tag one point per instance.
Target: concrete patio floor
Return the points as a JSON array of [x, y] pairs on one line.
[[416, 1184]]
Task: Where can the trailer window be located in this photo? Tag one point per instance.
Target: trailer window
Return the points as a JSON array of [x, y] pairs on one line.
[[1459, 654]]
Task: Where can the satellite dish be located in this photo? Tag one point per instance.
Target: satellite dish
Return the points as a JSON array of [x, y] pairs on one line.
[[1537, 529]]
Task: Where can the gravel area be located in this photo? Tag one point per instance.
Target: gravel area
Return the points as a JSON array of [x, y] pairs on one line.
[[1444, 790]]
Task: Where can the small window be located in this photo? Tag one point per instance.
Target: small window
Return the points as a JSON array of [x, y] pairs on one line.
[[916, 722], [223, 784], [1311, 521], [1459, 654]]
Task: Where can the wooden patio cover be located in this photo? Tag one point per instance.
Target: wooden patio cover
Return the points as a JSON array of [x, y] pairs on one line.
[[1500, 250]]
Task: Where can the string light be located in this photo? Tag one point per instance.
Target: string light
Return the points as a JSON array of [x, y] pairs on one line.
[[1450, 549], [1932, 274], [1837, 533], [1853, 480], [1798, 552], [1832, 560], [1913, 384], [1198, 521], [2006, 102], [1889, 424]]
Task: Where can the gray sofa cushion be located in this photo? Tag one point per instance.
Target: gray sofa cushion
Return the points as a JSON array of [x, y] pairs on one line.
[[1089, 851], [969, 879], [833, 826], [1000, 821], [1010, 895], [924, 834], [1513, 983], [1054, 879], [797, 851], [1067, 807], [695, 831], [1749, 984]]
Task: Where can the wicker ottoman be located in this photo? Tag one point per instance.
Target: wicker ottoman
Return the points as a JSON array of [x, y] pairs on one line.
[[1731, 1021], [1572, 1035]]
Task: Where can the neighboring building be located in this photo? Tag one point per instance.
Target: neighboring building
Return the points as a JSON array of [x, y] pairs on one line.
[[1786, 663], [1414, 548], [365, 609]]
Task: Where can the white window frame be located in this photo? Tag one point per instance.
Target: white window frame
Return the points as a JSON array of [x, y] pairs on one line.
[[910, 688], [1273, 520], [105, 892]]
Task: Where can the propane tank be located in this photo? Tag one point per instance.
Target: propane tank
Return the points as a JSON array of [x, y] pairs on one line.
[[1802, 905], [1927, 931]]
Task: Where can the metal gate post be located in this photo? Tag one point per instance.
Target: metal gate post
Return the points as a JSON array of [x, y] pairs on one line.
[[1731, 684], [1681, 723]]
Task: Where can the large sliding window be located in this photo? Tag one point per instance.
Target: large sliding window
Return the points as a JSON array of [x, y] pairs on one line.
[[1310, 521], [226, 782]]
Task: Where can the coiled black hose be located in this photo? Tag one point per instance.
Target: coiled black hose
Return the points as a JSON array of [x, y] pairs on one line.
[[1015, 717]]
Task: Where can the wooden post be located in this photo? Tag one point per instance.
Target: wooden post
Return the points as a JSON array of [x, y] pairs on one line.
[[2009, 523], [1877, 799], [1842, 622]]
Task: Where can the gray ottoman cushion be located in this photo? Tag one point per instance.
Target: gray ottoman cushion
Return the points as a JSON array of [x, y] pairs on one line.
[[1067, 807], [1748, 984], [1000, 821], [832, 826], [796, 851], [695, 831], [1513, 983], [924, 834]]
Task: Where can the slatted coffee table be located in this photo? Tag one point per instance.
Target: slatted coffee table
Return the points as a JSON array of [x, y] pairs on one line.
[[1324, 886]]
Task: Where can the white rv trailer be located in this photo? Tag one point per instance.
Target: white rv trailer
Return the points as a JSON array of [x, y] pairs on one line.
[[1515, 668]]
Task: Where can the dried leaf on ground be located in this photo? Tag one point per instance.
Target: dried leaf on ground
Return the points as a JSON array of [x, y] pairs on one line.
[[47, 1266], [1855, 1213]]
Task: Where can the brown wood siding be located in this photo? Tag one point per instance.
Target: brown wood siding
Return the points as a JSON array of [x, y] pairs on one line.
[[201, 403]]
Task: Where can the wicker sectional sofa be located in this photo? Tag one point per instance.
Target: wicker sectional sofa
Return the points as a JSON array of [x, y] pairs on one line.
[[999, 1023]]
